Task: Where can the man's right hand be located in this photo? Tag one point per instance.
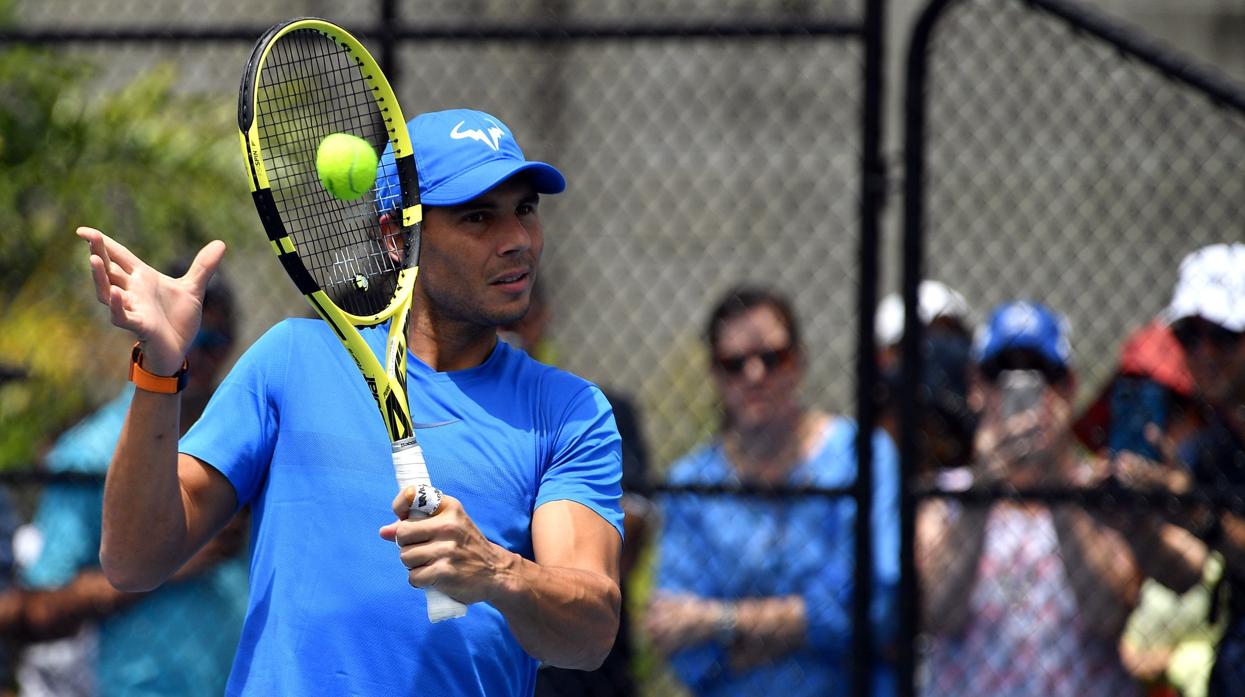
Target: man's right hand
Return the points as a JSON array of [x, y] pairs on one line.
[[163, 313]]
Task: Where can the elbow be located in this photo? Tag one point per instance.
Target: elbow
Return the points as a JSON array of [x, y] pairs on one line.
[[592, 647], [124, 574]]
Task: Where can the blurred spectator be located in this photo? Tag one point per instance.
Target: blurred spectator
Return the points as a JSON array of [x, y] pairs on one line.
[[941, 309], [1167, 641], [615, 677], [753, 595], [10, 603], [1022, 597], [1207, 315], [947, 422], [176, 640]]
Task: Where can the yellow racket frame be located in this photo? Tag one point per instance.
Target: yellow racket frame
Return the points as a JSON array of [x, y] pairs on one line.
[[388, 382]]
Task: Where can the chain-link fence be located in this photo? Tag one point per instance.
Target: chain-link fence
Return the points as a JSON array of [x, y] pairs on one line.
[[706, 144], [1056, 158]]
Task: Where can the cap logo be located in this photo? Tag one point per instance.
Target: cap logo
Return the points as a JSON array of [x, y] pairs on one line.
[[491, 139]]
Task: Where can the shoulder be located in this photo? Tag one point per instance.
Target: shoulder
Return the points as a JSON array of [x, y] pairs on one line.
[[552, 386], [705, 464], [289, 341]]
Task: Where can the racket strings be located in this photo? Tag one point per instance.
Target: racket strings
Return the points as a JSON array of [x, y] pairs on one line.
[[309, 87]]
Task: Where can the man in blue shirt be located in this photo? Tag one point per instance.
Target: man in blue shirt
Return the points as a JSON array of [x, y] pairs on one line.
[[530, 529]]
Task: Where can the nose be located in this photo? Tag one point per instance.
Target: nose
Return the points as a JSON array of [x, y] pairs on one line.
[[754, 369], [515, 236]]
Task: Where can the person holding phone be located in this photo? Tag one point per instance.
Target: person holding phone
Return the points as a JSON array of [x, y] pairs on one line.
[[1024, 597]]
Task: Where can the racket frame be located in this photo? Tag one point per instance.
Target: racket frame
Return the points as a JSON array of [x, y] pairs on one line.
[[387, 383]]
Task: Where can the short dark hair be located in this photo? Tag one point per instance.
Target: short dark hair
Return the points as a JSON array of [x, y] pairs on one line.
[[742, 299]]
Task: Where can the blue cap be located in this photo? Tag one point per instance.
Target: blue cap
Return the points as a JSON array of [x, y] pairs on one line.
[[1028, 326], [460, 154]]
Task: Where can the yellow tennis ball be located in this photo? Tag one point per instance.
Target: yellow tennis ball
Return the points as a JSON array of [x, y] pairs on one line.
[[346, 165]]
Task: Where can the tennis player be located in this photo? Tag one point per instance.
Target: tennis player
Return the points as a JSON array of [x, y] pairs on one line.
[[529, 532]]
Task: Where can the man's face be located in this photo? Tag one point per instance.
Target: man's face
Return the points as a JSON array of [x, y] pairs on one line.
[[478, 260], [1216, 358], [756, 368]]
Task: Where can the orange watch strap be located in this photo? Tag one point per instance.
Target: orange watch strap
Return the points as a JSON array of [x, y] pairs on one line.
[[150, 382]]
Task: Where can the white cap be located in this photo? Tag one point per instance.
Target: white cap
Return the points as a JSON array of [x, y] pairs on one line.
[[934, 300], [1212, 286]]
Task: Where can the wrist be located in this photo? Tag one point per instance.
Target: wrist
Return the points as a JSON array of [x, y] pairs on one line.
[[506, 576], [725, 623], [153, 376]]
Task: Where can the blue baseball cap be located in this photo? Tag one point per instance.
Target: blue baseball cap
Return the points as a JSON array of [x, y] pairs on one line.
[[460, 154], [1028, 326]]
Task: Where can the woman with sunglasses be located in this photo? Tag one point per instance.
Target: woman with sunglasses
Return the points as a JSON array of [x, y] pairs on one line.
[[753, 593]]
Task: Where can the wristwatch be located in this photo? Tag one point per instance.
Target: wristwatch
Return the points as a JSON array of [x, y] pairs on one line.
[[724, 625], [150, 382]]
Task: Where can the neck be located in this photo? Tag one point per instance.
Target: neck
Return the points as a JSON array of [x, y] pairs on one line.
[[769, 451], [447, 345]]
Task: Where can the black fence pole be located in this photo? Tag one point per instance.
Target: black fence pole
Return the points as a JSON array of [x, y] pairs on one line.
[[909, 409], [872, 196], [386, 25]]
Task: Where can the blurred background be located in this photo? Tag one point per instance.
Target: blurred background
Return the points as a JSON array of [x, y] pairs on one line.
[[1072, 154]]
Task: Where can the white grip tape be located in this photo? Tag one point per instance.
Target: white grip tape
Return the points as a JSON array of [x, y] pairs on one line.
[[411, 470]]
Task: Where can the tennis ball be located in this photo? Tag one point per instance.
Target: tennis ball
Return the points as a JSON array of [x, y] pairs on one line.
[[346, 165]]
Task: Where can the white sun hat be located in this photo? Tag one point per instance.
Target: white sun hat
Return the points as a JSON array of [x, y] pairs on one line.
[[1212, 286], [934, 300]]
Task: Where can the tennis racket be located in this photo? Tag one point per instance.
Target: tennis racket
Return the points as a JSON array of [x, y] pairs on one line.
[[307, 79]]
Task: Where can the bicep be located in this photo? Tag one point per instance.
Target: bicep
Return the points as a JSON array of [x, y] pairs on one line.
[[208, 496], [570, 535]]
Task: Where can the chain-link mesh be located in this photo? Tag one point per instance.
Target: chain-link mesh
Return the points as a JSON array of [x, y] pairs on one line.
[[719, 144], [1070, 163], [1059, 169]]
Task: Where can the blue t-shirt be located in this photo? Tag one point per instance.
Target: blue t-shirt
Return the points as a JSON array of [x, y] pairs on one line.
[[176, 640], [295, 430], [734, 548]]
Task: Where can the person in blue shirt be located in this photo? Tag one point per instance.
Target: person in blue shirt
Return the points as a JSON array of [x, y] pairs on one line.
[[528, 533], [753, 595], [144, 647]]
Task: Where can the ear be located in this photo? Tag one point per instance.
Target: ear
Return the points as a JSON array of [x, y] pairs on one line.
[[391, 237]]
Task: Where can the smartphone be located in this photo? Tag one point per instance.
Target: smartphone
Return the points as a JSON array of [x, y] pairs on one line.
[[1022, 391], [1136, 402]]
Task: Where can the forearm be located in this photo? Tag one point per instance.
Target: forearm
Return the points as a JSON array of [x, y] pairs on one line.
[[60, 612], [1167, 553], [564, 617], [1101, 569], [144, 536], [948, 551], [767, 628]]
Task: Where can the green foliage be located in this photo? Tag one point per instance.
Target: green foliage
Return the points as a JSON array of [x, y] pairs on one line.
[[153, 165]]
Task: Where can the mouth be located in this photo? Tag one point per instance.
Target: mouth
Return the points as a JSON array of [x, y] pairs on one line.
[[512, 281]]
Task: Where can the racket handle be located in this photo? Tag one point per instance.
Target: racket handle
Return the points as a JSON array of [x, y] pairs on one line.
[[411, 470]]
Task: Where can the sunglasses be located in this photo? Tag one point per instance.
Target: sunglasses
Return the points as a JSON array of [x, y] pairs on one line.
[[770, 358], [1193, 331]]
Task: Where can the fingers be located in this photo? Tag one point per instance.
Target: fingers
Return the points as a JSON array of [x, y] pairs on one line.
[[422, 498], [108, 249], [204, 266]]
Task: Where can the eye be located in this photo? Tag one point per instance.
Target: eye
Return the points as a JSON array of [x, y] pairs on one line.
[[475, 217]]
